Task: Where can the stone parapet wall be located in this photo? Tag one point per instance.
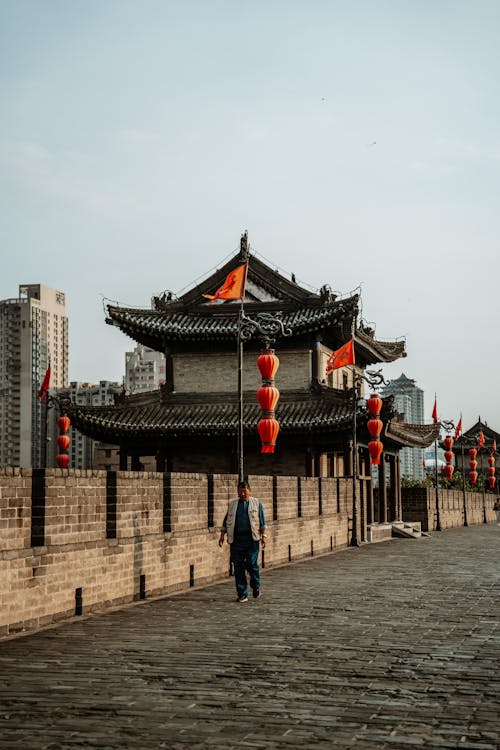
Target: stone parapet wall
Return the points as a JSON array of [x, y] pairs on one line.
[[419, 504], [76, 541]]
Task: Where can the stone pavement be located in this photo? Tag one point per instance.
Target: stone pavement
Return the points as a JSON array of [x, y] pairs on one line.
[[392, 645]]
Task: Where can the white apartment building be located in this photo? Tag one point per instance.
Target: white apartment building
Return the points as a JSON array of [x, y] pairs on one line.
[[81, 448], [144, 369], [33, 332], [408, 400]]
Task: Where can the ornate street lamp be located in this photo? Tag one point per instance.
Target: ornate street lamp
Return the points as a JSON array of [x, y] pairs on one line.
[[374, 378]]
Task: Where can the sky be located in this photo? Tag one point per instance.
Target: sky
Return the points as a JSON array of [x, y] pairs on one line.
[[357, 141]]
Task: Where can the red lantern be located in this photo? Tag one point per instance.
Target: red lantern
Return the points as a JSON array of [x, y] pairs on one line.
[[268, 396], [448, 456], [492, 481], [473, 452], [491, 471], [375, 449], [448, 442], [374, 404], [375, 427], [491, 460], [268, 430], [63, 423], [63, 442], [473, 477], [448, 471], [62, 460], [268, 364], [473, 465]]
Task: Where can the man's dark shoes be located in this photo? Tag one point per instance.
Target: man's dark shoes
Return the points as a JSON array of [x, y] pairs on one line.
[[256, 593]]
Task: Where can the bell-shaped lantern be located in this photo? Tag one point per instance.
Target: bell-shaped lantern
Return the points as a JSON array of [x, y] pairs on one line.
[[375, 426], [63, 442], [268, 364], [374, 404], [473, 477], [473, 465], [268, 397], [448, 456], [375, 449], [491, 471], [448, 443], [62, 460], [268, 430], [491, 482], [472, 452], [63, 424], [491, 460], [448, 470]]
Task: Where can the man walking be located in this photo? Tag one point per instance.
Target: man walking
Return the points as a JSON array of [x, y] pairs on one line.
[[245, 525]]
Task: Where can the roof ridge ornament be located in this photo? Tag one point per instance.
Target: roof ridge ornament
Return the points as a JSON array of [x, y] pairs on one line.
[[244, 247]]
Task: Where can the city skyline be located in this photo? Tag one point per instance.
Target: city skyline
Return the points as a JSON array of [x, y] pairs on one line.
[[356, 143]]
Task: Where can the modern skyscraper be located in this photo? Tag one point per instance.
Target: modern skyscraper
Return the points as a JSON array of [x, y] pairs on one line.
[[408, 400], [33, 333], [144, 369]]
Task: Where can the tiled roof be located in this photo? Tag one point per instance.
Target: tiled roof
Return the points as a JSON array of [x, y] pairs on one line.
[[202, 417], [412, 435], [203, 323]]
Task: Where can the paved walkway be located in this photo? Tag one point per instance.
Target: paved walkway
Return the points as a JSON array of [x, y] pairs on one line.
[[393, 645]]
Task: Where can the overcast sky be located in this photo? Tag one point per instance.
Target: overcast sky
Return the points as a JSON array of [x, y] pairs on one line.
[[357, 141]]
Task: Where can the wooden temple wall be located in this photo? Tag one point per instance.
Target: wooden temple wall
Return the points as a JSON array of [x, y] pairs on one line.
[[419, 504], [74, 542]]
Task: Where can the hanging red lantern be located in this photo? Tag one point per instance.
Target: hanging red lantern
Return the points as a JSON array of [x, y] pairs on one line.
[[473, 465], [448, 442], [268, 364], [63, 442], [268, 430], [473, 477], [374, 404], [448, 471], [268, 397], [375, 427], [62, 460], [491, 460], [63, 423], [473, 452], [375, 449], [491, 471], [448, 456], [491, 481]]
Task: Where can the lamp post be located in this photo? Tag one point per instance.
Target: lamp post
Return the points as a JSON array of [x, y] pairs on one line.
[[373, 378]]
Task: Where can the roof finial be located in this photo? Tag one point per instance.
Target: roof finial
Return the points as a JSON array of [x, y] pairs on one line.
[[244, 246]]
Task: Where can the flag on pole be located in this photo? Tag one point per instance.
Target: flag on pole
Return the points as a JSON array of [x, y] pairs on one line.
[[42, 392], [341, 357], [480, 440], [435, 412], [494, 448], [233, 287], [458, 428]]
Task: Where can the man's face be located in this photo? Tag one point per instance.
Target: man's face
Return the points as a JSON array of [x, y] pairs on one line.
[[243, 493]]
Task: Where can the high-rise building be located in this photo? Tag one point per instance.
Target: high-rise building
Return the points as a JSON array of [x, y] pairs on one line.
[[144, 369], [33, 333], [81, 448], [409, 401]]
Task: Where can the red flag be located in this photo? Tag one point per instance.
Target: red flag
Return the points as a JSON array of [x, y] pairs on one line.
[[494, 447], [458, 428], [435, 412], [42, 393], [480, 440], [341, 357], [233, 287]]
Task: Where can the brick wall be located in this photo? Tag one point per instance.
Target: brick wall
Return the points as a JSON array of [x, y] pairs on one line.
[[419, 504], [78, 541]]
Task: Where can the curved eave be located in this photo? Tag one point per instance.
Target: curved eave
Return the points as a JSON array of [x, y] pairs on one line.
[[411, 435], [371, 351], [158, 420], [157, 327]]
